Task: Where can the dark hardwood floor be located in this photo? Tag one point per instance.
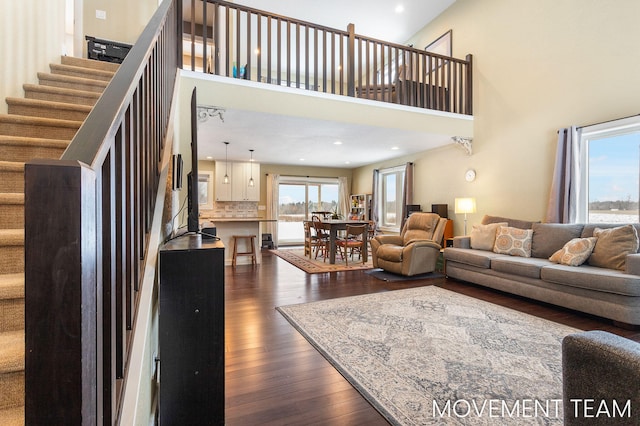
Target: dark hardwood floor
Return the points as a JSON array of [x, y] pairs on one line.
[[274, 376]]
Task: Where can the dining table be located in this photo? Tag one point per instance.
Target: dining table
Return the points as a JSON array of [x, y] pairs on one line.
[[335, 225]]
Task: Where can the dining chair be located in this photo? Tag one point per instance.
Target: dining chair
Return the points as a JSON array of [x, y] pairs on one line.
[[353, 240], [308, 245], [321, 238]]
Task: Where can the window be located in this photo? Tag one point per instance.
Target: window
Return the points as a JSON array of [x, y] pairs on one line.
[[610, 173], [299, 197], [391, 187]]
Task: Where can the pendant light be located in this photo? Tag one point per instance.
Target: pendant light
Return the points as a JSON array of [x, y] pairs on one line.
[[226, 163], [251, 182]]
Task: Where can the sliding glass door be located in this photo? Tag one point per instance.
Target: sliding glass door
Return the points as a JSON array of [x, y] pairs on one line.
[[299, 198]]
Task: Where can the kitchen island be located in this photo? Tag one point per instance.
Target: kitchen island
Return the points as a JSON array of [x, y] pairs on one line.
[[226, 227]]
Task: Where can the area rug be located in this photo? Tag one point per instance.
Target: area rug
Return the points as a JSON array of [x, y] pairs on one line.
[[383, 275], [316, 266], [428, 355]]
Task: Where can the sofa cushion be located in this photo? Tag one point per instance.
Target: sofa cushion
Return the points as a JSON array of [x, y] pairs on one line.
[[575, 252], [513, 241], [613, 245], [548, 238], [483, 237], [593, 278], [588, 229], [516, 223], [479, 258], [521, 266], [390, 252]]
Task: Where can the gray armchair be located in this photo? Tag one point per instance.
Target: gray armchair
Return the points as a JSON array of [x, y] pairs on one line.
[[415, 250], [600, 368]]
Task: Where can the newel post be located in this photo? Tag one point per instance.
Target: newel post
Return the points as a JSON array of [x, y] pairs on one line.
[[351, 61], [61, 378]]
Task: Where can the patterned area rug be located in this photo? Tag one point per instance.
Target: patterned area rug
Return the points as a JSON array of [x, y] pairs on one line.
[[427, 356], [315, 266]]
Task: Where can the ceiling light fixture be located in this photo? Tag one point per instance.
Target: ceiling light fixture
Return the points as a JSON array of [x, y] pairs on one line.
[[251, 182], [399, 8], [226, 163], [337, 143]]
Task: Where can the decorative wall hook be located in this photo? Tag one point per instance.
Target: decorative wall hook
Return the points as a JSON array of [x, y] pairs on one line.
[[465, 143]]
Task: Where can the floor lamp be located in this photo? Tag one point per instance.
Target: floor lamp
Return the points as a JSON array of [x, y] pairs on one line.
[[465, 205]]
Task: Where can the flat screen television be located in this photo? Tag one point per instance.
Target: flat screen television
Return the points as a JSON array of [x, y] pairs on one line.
[[193, 221]]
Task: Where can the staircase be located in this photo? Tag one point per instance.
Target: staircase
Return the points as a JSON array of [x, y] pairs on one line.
[[40, 125]]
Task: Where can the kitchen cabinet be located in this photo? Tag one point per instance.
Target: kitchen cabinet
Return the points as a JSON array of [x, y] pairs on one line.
[[239, 174]]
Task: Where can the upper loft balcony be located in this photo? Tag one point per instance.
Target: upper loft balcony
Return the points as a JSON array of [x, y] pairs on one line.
[[230, 40], [230, 50]]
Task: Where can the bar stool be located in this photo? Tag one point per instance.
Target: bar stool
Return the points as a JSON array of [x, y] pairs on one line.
[[250, 241]]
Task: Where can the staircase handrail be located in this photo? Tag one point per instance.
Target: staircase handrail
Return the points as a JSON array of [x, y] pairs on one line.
[[88, 218]]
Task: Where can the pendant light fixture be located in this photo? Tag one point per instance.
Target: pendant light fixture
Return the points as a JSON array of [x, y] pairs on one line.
[[251, 182], [226, 163]]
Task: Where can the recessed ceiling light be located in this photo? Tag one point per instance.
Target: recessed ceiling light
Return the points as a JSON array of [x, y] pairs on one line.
[[395, 148], [209, 158], [302, 159], [347, 162], [337, 143], [399, 8]]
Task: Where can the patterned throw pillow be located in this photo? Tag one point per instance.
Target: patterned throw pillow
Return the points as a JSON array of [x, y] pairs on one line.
[[575, 252], [513, 241]]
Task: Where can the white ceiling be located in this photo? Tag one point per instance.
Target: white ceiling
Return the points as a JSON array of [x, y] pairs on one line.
[[283, 139], [372, 18]]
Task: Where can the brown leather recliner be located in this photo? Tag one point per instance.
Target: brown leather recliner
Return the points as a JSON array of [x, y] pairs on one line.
[[415, 250]]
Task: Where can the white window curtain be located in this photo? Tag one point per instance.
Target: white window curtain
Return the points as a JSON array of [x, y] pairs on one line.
[[273, 201], [567, 192], [343, 197]]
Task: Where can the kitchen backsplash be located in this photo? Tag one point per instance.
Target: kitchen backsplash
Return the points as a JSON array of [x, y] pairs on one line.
[[232, 209]]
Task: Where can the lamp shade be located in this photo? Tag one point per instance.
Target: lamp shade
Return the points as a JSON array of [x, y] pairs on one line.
[[465, 205]]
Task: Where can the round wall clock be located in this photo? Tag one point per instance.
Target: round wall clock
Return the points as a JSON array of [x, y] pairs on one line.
[[470, 175]]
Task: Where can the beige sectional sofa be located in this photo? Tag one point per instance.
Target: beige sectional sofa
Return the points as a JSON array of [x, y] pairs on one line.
[[609, 292]]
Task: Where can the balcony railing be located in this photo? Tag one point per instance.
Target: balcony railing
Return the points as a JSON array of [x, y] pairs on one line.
[[230, 40]]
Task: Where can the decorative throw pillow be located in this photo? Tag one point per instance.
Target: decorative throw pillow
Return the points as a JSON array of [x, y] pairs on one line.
[[613, 245], [513, 241], [575, 252], [483, 237]]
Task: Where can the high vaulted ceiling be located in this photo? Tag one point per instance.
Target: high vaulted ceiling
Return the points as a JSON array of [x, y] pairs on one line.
[[389, 20]]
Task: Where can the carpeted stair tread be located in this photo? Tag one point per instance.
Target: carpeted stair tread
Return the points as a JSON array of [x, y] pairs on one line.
[[11, 237], [11, 351], [89, 63], [20, 125], [59, 94], [21, 148], [75, 71], [12, 286], [13, 416], [48, 109], [11, 210], [70, 82]]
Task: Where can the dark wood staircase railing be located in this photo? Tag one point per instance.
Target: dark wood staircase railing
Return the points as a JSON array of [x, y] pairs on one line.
[[231, 40], [88, 218]]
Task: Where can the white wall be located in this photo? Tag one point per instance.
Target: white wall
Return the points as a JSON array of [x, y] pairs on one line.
[[31, 36], [537, 66]]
